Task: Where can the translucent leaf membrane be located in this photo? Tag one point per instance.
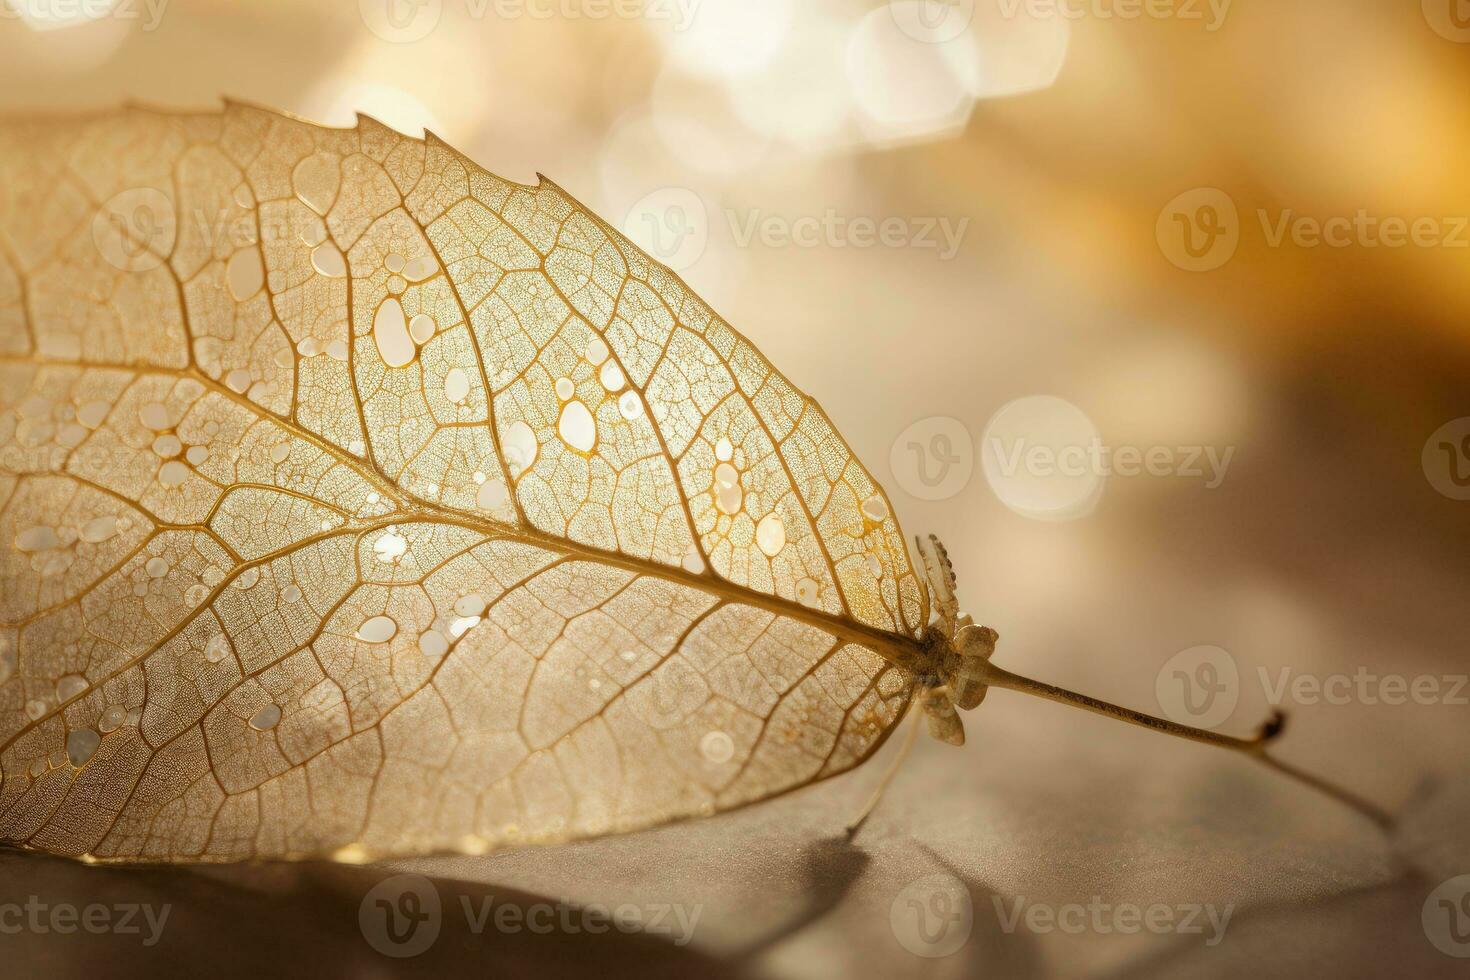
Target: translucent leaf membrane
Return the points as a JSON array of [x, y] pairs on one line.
[[354, 498]]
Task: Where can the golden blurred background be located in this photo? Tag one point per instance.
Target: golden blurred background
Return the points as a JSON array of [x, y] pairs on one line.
[[932, 208]]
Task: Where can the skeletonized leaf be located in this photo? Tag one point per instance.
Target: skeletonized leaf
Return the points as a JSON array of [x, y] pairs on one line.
[[356, 500]]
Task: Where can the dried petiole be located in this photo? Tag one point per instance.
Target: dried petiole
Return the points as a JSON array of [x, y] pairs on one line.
[[1254, 747]]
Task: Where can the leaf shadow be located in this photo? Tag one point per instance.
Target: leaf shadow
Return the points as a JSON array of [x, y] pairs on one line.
[[1363, 912], [992, 950], [830, 867], [251, 920], [1179, 957], [833, 866]]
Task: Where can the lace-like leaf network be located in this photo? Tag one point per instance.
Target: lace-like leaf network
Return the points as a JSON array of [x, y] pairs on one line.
[[356, 501]]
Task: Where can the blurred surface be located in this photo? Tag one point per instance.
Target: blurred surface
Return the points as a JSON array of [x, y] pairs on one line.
[[926, 210]]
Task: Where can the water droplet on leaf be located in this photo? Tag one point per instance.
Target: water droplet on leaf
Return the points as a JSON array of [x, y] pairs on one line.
[[245, 273], [172, 474], [717, 747], [492, 495], [70, 686], [433, 644], [875, 508], [390, 547], [217, 649], [421, 328], [519, 446], [692, 561], [390, 332], [379, 629], [577, 428], [770, 535], [154, 416], [37, 539], [99, 529], [266, 718], [456, 385], [81, 745], [611, 376], [469, 605], [327, 259]]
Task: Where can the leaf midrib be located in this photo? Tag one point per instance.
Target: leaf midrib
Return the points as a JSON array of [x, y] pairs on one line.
[[893, 647]]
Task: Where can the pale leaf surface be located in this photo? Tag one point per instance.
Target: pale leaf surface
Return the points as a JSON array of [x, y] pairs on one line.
[[355, 498]]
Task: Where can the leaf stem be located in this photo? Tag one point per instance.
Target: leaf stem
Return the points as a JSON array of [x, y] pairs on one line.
[[1254, 747]]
